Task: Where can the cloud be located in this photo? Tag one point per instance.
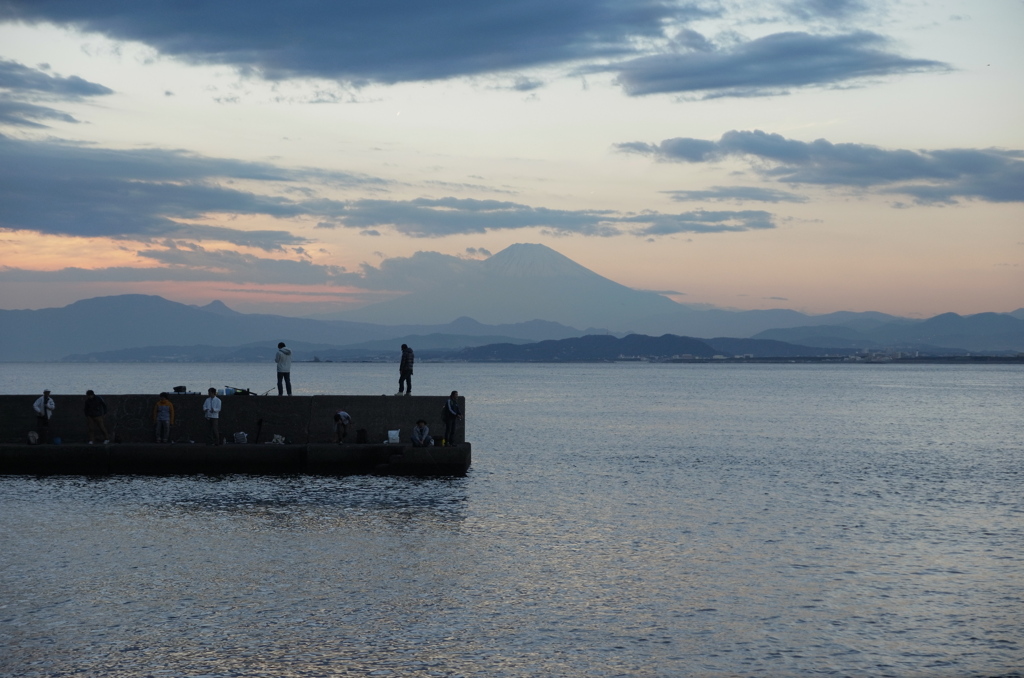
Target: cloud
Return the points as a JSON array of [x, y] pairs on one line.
[[648, 44], [935, 176], [410, 273], [701, 221], [24, 114], [192, 264], [737, 194], [768, 65], [21, 87], [237, 267], [809, 10], [150, 195], [525, 84], [388, 41], [195, 263], [426, 217], [63, 189], [20, 78]]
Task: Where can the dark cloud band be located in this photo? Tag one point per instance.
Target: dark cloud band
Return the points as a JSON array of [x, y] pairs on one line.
[[646, 43], [768, 65], [938, 176], [379, 40], [64, 189]]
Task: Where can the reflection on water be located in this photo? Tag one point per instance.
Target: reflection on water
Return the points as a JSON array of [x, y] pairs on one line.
[[619, 520]]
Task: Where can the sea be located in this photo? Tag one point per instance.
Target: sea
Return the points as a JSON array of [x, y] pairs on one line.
[[619, 519]]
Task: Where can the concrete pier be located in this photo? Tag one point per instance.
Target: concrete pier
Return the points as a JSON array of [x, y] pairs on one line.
[[305, 423], [268, 459]]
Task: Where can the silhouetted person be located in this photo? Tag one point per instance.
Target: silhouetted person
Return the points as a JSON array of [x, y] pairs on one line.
[[405, 371], [451, 415], [211, 410], [95, 409], [284, 368], [163, 417], [341, 423], [44, 407]]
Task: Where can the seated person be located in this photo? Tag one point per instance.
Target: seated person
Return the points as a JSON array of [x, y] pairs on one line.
[[421, 435]]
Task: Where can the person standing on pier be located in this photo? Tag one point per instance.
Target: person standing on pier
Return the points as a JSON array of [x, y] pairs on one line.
[[44, 407], [163, 417], [284, 368], [405, 371], [95, 410], [211, 409], [451, 413]]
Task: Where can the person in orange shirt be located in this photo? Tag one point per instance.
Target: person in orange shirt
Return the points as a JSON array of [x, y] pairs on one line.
[[163, 417]]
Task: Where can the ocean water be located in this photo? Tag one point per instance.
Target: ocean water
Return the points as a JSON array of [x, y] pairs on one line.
[[619, 520]]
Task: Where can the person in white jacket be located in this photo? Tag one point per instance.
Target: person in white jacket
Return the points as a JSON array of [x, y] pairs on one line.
[[44, 407], [284, 368], [211, 410]]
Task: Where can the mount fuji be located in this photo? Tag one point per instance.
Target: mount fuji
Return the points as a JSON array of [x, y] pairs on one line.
[[524, 282]]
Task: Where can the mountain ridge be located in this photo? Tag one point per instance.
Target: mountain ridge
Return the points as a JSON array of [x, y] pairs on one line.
[[523, 290]]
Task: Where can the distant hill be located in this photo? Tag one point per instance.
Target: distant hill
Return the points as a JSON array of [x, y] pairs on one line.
[[530, 281], [983, 333], [635, 346], [525, 293], [104, 326], [426, 346], [590, 348], [725, 323], [766, 348]]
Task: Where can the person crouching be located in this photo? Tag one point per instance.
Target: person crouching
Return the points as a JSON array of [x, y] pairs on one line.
[[421, 435]]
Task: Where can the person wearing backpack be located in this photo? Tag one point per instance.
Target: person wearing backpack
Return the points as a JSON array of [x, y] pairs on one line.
[[451, 413]]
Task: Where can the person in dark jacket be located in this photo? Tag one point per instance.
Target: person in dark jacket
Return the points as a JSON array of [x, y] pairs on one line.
[[342, 420], [451, 415], [284, 368], [95, 409], [405, 371]]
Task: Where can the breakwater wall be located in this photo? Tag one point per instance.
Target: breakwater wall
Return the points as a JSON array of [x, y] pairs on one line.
[[166, 459], [299, 419]]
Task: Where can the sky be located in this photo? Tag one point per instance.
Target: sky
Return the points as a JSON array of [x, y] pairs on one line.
[[317, 156]]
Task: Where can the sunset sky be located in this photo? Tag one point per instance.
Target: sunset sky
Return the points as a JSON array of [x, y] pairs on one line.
[[313, 156]]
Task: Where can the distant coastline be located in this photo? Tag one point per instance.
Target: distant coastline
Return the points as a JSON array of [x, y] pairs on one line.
[[145, 329]]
